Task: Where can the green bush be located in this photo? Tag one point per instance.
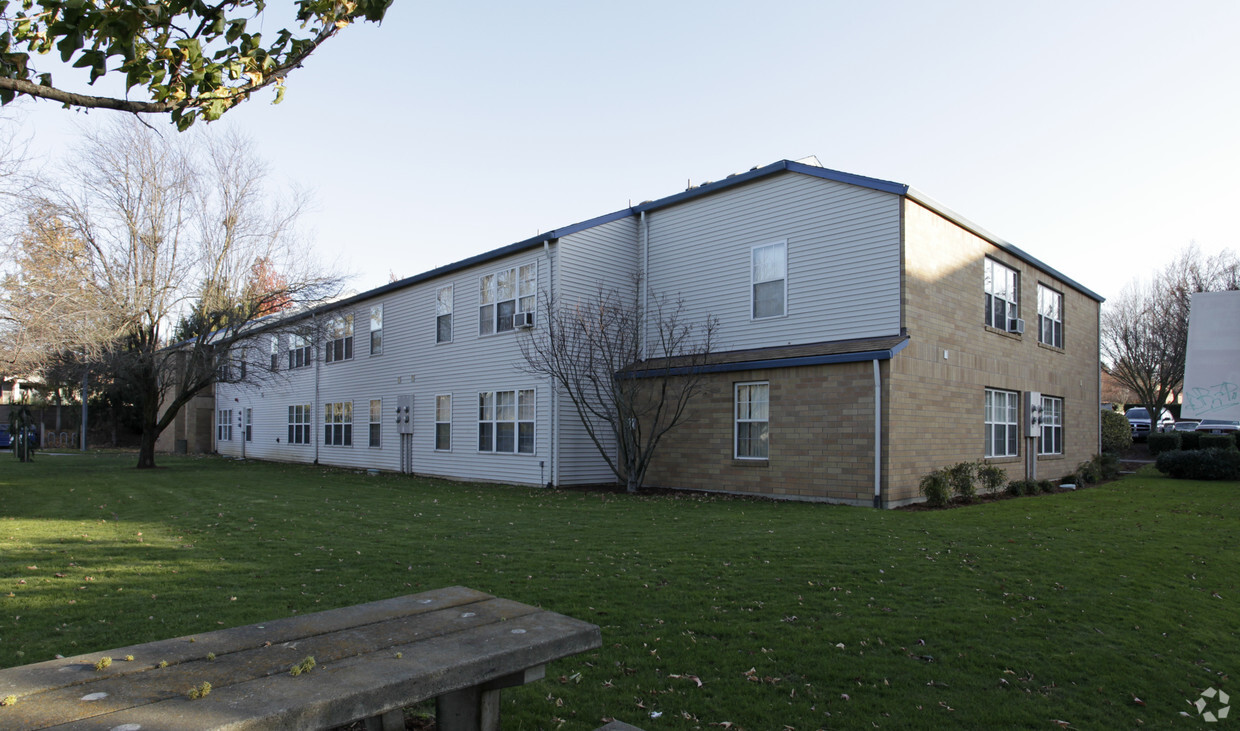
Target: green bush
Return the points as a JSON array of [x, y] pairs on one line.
[[1022, 487], [1071, 478], [1116, 433], [1089, 473], [1046, 486], [991, 476], [1108, 465], [1190, 440], [1164, 442], [1201, 464], [961, 478], [1217, 441], [937, 488]]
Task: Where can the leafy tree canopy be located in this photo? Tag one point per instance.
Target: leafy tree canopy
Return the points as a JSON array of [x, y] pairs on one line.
[[192, 57]]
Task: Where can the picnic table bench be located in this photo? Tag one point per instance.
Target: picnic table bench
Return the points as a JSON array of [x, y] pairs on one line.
[[456, 645]]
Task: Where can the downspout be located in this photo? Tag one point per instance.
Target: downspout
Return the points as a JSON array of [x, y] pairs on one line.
[[314, 331], [1098, 393], [878, 436], [555, 392], [644, 227]]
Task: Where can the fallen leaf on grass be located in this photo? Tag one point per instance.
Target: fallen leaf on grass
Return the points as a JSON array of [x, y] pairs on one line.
[[1061, 724], [1138, 701], [694, 678]]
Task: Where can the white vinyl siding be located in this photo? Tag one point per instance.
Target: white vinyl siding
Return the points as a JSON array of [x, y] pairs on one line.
[[1000, 284], [843, 260], [1050, 317], [752, 420], [769, 280], [1052, 426], [1002, 426]]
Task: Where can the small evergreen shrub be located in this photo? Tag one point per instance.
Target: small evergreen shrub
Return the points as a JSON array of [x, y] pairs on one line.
[[937, 488], [1217, 441], [1116, 433], [1190, 440], [1022, 487], [1046, 486], [1201, 464], [1071, 478], [1108, 465], [1088, 473], [1164, 442], [991, 476], [961, 478]]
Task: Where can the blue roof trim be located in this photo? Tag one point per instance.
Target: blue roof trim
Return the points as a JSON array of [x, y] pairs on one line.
[[751, 365]]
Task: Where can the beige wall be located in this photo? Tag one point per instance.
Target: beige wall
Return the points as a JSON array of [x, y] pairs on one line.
[[937, 402], [821, 437]]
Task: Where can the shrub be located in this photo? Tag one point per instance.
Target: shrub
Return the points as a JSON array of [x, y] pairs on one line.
[[1190, 440], [1201, 464], [1022, 487], [1217, 441], [1071, 478], [960, 476], [1108, 465], [1089, 473], [1116, 433], [1046, 486], [937, 488], [1164, 442], [991, 476]]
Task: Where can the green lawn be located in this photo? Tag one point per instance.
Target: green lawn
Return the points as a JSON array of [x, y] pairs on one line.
[[716, 612]]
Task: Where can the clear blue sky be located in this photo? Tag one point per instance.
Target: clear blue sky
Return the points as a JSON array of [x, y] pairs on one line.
[[1101, 137]]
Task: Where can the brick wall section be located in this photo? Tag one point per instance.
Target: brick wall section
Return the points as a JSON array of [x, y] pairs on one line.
[[937, 404], [821, 437]]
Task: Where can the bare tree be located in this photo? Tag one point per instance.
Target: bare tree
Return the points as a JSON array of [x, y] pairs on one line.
[[1145, 329], [163, 232], [630, 369]]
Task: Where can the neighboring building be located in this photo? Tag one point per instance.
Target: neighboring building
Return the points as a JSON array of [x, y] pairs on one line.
[[866, 336]]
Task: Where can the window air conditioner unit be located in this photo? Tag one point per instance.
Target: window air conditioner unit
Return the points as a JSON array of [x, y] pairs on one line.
[[1016, 325], [523, 320]]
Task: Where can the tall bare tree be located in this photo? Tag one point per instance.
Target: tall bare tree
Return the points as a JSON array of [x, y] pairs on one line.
[[164, 231], [629, 362], [1145, 329]]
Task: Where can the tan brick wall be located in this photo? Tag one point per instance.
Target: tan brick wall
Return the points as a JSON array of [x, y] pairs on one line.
[[937, 403], [821, 437]]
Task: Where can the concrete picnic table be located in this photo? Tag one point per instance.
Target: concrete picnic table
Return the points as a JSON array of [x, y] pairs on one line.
[[457, 645]]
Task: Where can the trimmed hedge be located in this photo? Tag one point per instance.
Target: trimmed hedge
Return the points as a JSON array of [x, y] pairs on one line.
[[1190, 440], [1164, 442], [1116, 433], [1201, 464], [1217, 441]]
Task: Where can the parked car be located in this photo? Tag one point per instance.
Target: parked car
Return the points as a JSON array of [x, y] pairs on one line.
[[1219, 426], [6, 438], [1186, 425], [1139, 421]]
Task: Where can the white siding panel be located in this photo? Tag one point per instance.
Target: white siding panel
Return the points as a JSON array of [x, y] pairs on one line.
[[843, 259]]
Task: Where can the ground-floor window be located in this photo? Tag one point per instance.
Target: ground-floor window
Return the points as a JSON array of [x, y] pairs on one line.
[[752, 420], [506, 421], [1052, 426], [1002, 428], [376, 416], [223, 425], [443, 422], [249, 425], [338, 424], [299, 424]]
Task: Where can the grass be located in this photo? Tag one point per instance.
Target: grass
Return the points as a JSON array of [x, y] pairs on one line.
[[1109, 607]]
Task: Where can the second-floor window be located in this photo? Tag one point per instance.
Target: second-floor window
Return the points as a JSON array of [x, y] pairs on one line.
[[298, 351], [505, 295], [275, 352], [443, 314], [1050, 317], [340, 339], [1001, 303], [376, 329], [769, 280]]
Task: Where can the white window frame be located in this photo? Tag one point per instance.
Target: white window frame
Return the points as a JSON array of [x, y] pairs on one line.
[[338, 424], [339, 345], [521, 295], [249, 424], [744, 418], [1050, 316], [443, 422], [374, 434], [376, 329], [443, 309], [223, 425], [1002, 422], [1052, 426], [514, 411], [1008, 294], [300, 423], [300, 352], [275, 352], [754, 281]]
